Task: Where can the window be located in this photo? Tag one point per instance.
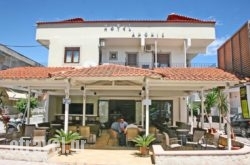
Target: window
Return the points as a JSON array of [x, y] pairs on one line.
[[162, 111], [76, 108], [113, 56], [72, 55]]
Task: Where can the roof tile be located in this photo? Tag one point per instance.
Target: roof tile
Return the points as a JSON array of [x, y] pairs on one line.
[[185, 74], [172, 18], [197, 74], [107, 71], [30, 72]]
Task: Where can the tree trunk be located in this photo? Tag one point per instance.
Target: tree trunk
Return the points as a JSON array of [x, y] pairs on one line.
[[220, 121]]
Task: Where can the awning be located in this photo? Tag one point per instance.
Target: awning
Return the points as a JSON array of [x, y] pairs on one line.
[[15, 95]]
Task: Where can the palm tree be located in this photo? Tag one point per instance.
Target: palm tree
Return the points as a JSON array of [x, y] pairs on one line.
[[222, 105], [210, 100]]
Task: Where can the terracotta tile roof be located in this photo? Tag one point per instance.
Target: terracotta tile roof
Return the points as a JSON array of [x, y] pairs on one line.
[[185, 74], [172, 18], [107, 71], [72, 20], [30, 72], [196, 74], [180, 18]]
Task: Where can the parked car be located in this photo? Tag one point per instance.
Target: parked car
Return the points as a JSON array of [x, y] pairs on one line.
[[239, 125]]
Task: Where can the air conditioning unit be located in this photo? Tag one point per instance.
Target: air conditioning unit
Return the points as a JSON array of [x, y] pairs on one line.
[[149, 48]]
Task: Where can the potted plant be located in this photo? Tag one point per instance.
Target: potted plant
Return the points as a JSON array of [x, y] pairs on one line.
[[143, 143], [65, 139]]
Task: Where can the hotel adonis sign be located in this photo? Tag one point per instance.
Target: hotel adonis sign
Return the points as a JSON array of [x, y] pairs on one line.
[[244, 94]]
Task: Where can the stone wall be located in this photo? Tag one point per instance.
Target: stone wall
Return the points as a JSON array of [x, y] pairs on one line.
[[201, 157], [28, 153]]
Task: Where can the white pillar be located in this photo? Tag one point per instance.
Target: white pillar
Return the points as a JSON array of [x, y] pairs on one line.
[[187, 44], [66, 114], [84, 106], [185, 54], [192, 114], [142, 109], [229, 142], [28, 106], [202, 108], [156, 60], [147, 108]]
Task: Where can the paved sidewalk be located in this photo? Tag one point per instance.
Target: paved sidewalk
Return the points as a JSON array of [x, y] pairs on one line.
[[103, 157], [91, 157]]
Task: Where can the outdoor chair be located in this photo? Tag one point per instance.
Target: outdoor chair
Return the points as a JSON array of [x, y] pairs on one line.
[[113, 136], [131, 133], [170, 143], [84, 132], [197, 138], [39, 137], [72, 128]]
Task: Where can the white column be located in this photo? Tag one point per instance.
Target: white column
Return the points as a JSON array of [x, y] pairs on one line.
[[156, 61], [83, 105], [142, 109], [187, 44], [185, 54], [191, 101], [66, 114], [229, 142], [202, 108], [28, 106], [147, 108]]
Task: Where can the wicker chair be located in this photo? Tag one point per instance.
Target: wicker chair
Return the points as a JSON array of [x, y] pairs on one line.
[[113, 136], [131, 133], [197, 137], [170, 143]]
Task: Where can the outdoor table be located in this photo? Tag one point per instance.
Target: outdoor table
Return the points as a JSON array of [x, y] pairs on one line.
[[173, 127], [182, 135], [43, 128]]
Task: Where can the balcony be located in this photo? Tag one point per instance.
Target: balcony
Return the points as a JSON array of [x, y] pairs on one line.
[[162, 65]]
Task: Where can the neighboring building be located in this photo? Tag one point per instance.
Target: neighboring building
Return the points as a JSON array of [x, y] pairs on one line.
[[234, 54], [234, 57], [172, 42], [10, 59]]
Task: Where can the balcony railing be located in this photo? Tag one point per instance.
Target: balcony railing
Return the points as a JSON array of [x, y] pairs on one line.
[[173, 65]]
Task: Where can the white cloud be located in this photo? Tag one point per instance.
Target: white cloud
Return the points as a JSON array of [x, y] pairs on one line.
[[212, 48]]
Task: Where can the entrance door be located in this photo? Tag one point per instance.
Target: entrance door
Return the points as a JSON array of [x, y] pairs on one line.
[[163, 60], [125, 108], [132, 59]]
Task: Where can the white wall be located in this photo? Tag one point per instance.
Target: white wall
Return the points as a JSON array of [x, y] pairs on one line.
[[87, 35]]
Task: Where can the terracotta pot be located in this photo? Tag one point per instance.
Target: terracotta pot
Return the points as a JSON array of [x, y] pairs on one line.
[[65, 148], [144, 150]]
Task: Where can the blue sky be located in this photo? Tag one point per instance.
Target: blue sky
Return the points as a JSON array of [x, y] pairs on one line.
[[19, 17]]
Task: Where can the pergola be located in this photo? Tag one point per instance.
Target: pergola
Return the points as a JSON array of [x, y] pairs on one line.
[[116, 80]]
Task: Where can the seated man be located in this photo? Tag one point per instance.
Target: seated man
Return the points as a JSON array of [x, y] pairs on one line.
[[116, 125], [122, 134]]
